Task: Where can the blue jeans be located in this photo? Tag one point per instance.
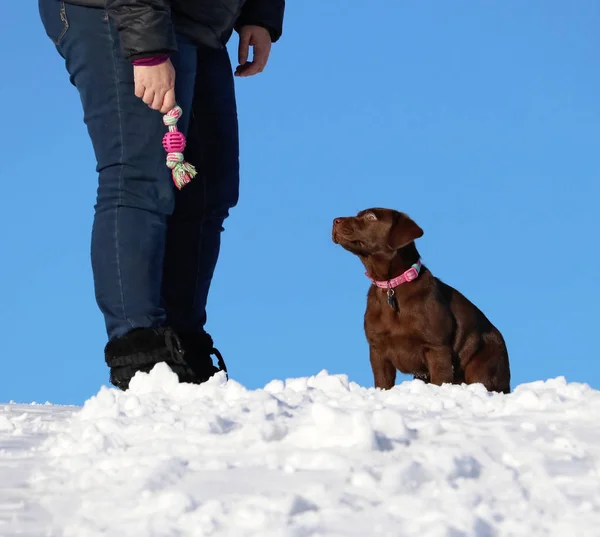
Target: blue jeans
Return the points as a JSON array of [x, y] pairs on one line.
[[154, 249]]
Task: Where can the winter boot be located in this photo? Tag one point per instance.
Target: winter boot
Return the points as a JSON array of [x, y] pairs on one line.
[[143, 348], [198, 351]]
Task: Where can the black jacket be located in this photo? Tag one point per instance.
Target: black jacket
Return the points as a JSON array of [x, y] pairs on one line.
[[147, 27]]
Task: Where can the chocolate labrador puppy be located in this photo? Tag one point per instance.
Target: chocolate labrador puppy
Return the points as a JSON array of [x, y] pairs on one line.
[[414, 322]]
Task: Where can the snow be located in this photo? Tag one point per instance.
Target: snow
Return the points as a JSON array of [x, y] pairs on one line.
[[317, 456]]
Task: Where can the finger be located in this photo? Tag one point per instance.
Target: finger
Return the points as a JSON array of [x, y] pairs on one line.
[[241, 70], [148, 96], [168, 101], [261, 56], [139, 89], [244, 47], [251, 68], [157, 102]]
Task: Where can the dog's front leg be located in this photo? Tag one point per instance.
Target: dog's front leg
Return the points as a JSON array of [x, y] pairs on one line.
[[384, 372], [439, 362]]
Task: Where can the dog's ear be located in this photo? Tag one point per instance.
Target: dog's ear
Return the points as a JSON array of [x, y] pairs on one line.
[[404, 230]]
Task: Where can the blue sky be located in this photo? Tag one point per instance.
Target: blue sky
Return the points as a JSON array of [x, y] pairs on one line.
[[479, 119]]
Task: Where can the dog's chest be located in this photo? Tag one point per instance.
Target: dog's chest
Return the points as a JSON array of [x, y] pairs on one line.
[[390, 330]]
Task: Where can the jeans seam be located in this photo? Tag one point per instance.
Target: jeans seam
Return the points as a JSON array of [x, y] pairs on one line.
[[120, 200], [65, 21]]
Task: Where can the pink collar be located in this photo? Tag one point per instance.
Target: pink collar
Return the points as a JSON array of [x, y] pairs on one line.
[[408, 276]]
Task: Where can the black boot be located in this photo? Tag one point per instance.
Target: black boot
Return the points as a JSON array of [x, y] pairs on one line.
[[198, 351], [143, 348]]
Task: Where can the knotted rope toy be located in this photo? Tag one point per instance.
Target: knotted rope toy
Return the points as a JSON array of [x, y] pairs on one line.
[[174, 143]]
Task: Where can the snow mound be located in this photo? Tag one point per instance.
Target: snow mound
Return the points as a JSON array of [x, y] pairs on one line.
[[321, 456]]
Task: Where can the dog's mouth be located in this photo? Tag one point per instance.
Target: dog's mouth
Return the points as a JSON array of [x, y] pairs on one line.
[[339, 237], [340, 233], [352, 245], [344, 235]]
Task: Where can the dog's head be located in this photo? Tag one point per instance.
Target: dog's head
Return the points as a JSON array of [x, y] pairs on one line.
[[375, 231]]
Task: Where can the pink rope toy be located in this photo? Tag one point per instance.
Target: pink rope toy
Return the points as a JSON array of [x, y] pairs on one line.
[[174, 144]]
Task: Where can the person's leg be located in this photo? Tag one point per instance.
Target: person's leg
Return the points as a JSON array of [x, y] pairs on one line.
[[135, 190], [194, 229]]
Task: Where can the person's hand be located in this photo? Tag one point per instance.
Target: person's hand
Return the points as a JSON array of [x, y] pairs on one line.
[[258, 38], [155, 85]]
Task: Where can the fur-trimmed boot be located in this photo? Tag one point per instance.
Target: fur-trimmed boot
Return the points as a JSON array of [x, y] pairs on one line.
[[198, 351], [143, 348]]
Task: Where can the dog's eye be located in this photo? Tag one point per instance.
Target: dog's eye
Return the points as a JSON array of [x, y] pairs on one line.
[[370, 216]]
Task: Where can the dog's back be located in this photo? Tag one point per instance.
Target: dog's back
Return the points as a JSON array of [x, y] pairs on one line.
[[477, 343]]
